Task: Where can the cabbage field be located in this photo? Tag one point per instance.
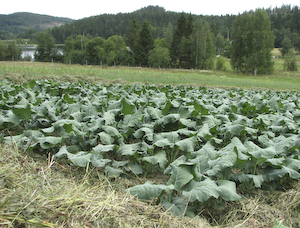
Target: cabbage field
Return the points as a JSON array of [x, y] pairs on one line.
[[208, 144]]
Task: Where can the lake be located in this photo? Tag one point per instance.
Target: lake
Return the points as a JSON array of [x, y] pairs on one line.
[[29, 50]]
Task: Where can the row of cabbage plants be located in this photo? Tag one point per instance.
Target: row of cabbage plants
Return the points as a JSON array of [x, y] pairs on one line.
[[207, 142]]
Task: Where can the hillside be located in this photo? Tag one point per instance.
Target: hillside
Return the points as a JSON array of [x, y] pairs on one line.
[[107, 25], [16, 24], [285, 21]]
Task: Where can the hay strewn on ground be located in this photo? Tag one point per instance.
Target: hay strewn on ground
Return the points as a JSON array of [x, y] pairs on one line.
[[35, 192], [40, 194]]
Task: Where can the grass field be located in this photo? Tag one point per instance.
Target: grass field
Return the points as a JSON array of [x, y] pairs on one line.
[[23, 71], [37, 192]]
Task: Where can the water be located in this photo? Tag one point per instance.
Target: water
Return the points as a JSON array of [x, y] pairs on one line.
[[29, 50]]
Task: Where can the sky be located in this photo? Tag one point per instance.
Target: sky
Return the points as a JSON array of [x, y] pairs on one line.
[[85, 8]]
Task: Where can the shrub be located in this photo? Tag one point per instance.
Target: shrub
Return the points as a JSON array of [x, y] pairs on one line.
[[220, 63], [290, 62]]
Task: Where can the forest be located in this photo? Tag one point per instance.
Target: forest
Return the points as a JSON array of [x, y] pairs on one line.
[[285, 21], [155, 37], [20, 25]]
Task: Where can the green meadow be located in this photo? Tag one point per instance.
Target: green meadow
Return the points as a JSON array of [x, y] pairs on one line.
[[279, 80]]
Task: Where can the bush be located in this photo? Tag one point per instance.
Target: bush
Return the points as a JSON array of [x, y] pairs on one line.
[[76, 57], [220, 63], [159, 57], [290, 62]]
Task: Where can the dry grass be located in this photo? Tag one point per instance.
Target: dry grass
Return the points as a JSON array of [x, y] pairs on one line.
[[265, 208], [276, 52], [35, 192]]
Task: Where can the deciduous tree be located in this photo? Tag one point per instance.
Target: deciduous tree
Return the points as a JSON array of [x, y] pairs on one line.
[[286, 46], [252, 43], [204, 45], [12, 51], [160, 55], [220, 43], [45, 50], [168, 35], [95, 51]]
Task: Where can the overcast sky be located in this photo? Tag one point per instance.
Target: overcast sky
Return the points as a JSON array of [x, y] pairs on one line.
[[85, 8]]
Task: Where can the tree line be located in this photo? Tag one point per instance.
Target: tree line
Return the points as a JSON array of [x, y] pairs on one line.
[[9, 51], [285, 22], [191, 44], [27, 25]]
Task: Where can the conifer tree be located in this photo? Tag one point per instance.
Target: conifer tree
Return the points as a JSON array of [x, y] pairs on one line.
[[144, 44], [186, 48], [132, 34], [189, 26], [177, 37]]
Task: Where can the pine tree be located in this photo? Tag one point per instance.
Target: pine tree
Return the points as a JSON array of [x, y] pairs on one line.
[[186, 48], [189, 26], [186, 52], [144, 44], [177, 37], [132, 34]]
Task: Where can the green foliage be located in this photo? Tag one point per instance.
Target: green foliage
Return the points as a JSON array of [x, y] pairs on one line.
[[252, 43], [192, 45], [26, 25], [144, 44], [168, 35], [186, 52], [286, 46], [9, 51], [159, 57], [284, 22], [295, 39], [179, 33], [116, 45], [220, 61], [290, 62], [204, 46], [132, 34], [207, 142], [220, 43], [161, 42], [76, 57], [46, 50], [96, 51]]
